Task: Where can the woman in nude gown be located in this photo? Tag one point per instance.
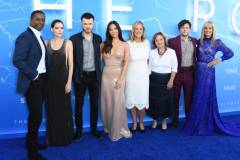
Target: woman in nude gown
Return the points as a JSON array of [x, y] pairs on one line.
[[115, 53]]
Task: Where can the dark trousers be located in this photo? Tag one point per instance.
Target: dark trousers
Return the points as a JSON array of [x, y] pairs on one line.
[[35, 96], [184, 78], [89, 81]]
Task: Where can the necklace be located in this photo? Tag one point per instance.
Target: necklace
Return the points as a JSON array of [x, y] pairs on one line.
[[160, 53]]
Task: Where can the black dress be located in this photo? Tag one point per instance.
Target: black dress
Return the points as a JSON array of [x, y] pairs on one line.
[[59, 110]]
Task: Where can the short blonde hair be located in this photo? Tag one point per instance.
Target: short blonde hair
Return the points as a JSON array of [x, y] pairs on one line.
[[133, 28], [213, 38]]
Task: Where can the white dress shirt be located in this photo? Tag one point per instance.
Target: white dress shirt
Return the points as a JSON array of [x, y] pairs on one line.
[[41, 66], [166, 63]]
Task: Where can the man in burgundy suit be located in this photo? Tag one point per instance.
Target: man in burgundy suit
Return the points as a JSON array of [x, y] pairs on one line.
[[185, 48]]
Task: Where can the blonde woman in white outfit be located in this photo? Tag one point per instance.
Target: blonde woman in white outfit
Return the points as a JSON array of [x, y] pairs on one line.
[[137, 79]]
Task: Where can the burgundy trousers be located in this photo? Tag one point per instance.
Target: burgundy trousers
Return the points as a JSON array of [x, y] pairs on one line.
[[183, 79]]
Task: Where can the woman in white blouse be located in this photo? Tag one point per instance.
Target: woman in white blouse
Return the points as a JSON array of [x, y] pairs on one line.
[[137, 79], [163, 68]]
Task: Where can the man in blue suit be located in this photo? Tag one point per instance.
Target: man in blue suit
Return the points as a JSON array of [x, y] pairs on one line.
[[29, 58]]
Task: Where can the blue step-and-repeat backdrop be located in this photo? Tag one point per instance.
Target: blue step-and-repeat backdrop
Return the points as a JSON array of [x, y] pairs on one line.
[[157, 15]]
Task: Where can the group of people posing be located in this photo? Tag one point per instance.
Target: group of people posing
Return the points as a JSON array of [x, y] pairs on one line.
[[134, 76]]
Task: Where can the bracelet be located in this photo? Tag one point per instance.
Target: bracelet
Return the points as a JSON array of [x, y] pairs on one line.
[[219, 60]]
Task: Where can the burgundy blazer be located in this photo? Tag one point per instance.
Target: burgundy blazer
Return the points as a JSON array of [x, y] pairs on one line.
[[175, 44]]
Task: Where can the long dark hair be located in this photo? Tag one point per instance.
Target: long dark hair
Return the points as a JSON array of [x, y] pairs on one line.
[[56, 21], [108, 42]]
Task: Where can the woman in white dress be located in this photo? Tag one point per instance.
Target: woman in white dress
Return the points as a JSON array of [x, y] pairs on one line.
[[137, 79]]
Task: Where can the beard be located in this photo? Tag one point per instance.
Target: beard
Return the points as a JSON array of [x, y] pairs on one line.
[[87, 30]]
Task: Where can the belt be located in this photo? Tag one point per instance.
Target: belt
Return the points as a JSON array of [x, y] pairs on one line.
[[186, 68], [89, 72], [40, 76]]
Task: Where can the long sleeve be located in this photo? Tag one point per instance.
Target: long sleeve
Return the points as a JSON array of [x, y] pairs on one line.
[[22, 47], [227, 52]]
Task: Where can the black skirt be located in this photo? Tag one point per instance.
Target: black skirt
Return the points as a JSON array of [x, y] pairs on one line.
[[160, 98]]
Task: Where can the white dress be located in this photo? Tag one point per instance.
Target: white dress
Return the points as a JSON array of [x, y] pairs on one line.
[[137, 79]]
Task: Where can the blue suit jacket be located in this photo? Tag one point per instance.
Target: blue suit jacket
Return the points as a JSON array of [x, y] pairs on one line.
[[26, 57]]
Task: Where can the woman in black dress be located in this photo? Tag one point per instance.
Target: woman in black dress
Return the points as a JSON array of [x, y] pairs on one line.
[[59, 76]]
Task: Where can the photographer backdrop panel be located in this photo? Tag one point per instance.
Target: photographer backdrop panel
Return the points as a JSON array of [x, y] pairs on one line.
[[157, 15]]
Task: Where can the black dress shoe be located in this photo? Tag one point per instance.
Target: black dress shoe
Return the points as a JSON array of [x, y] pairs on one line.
[[42, 146], [174, 124], [77, 136], [97, 134], [36, 146], [34, 155]]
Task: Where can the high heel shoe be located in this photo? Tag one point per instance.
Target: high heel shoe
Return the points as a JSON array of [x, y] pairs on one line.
[[154, 125], [164, 124], [141, 128], [134, 128]]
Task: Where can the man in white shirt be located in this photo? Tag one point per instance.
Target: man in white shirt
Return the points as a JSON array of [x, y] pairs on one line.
[[29, 58]]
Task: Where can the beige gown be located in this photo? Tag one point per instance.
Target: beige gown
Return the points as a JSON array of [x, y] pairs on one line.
[[114, 116]]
